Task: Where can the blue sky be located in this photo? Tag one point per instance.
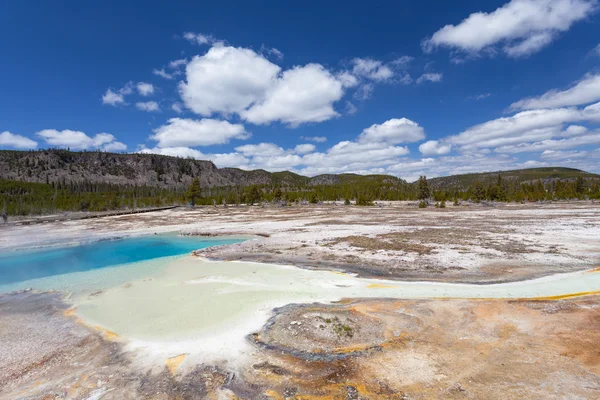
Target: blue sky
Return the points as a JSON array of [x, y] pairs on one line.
[[405, 88]]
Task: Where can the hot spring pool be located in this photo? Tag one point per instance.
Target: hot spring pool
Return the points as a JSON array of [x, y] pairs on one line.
[[41, 265]]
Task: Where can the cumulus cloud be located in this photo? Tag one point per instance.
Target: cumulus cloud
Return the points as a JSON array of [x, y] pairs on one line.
[[393, 131], [230, 80], [115, 98], [80, 141], [226, 80], [526, 125], [181, 132], [302, 94], [347, 79], [317, 139], [430, 77], [12, 140], [372, 151], [144, 88], [148, 106], [518, 28], [304, 148], [260, 150], [585, 91], [371, 69], [434, 147], [575, 130], [112, 98]]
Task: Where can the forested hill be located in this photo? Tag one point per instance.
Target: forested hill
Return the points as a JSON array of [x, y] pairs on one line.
[[163, 172], [546, 175], [48, 181]]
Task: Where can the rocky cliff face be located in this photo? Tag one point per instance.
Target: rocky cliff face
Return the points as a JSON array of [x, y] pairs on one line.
[[47, 166], [51, 166]]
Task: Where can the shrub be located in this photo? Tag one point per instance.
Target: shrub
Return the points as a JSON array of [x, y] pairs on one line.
[[363, 200], [347, 201], [422, 204], [443, 204]]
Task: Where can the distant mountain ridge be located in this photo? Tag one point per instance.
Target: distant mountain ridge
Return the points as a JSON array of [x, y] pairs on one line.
[[166, 172], [545, 174]]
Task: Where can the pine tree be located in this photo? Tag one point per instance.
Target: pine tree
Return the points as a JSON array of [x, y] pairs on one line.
[[479, 192], [194, 191], [579, 186], [424, 192]]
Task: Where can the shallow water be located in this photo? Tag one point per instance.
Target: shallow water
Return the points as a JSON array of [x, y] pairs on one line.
[[33, 265], [207, 307], [185, 305]]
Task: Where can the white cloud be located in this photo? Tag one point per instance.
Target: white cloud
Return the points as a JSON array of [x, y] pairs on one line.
[[586, 91], [317, 139], [199, 38], [145, 89], [112, 98], [300, 95], [347, 79], [177, 63], [434, 147], [560, 155], [12, 140], [80, 141], [304, 148], [226, 80], [393, 131], [364, 91], [181, 132], [575, 130], [177, 107], [520, 27], [551, 144], [351, 109], [163, 73], [371, 69], [525, 127], [114, 147], [148, 106], [271, 51], [514, 127], [260, 150], [480, 96], [403, 61], [430, 77]]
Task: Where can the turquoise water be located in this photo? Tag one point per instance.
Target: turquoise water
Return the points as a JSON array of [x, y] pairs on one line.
[[19, 266]]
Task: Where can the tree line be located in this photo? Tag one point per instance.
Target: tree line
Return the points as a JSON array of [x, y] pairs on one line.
[[26, 198]]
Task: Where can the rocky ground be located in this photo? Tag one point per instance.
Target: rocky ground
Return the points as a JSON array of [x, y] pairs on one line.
[[468, 243], [356, 348]]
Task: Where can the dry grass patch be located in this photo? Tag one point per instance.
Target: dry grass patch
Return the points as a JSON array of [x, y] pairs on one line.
[[383, 242]]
